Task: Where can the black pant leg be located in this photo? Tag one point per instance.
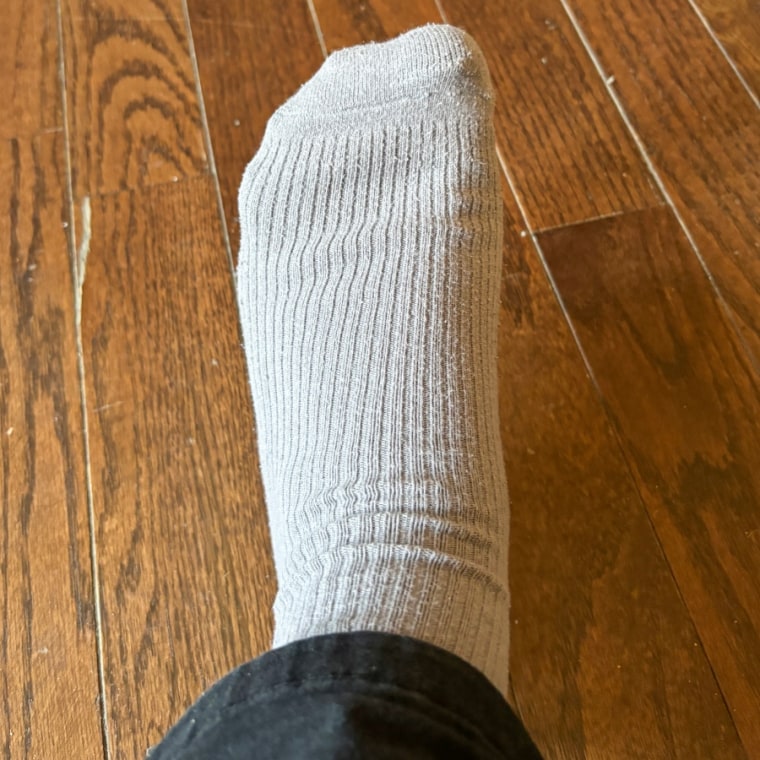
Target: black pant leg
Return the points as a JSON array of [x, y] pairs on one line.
[[350, 695]]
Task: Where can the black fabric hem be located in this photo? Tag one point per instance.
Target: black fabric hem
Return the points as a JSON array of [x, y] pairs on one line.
[[358, 694]]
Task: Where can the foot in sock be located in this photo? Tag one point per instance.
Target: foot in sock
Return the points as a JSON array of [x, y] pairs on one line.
[[368, 283]]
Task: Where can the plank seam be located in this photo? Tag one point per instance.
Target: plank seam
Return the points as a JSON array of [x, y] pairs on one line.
[[752, 94], [207, 139], [599, 218], [444, 17], [317, 27], [587, 364], [537, 245], [77, 261], [608, 83]]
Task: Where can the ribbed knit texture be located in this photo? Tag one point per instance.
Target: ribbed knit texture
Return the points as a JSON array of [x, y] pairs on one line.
[[368, 282]]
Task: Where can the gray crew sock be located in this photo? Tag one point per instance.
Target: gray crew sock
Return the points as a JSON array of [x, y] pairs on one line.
[[368, 284]]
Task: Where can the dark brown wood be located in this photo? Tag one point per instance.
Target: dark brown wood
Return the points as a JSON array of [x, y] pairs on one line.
[[31, 99], [737, 24], [701, 130], [48, 660], [251, 58], [685, 404], [134, 117], [348, 22], [605, 659], [182, 535]]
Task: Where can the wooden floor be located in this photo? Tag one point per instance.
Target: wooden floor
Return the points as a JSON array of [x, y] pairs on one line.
[[134, 547]]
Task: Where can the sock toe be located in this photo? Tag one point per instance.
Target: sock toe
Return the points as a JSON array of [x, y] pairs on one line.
[[418, 69]]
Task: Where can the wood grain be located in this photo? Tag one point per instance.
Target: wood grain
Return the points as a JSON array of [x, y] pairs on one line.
[[701, 130], [737, 24], [685, 404], [348, 22], [48, 662], [605, 659], [134, 117], [186, 576], [251, 58], [28, 64]]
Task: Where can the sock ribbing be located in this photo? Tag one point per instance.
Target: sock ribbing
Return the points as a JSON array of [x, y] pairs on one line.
[[368, 285]]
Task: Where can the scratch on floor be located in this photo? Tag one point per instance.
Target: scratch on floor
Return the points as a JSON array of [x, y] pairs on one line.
[[82, 252], [103, 408]]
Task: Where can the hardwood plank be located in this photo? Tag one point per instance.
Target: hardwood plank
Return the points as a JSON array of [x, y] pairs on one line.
[[701, 130], [133, 110], [737, 24], [566, 146], [186, 576], [605, 660], [348, 22], [48, 660], [685, 403], [31, 100], [251, 58]]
